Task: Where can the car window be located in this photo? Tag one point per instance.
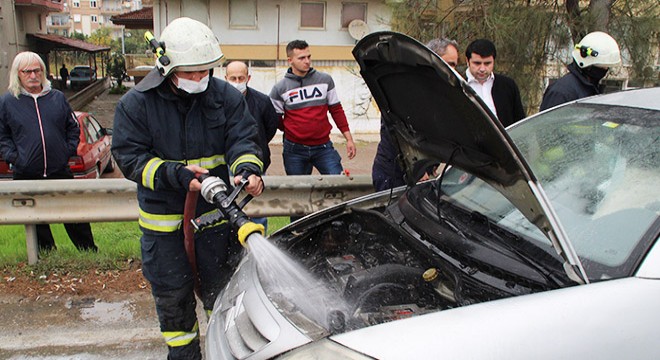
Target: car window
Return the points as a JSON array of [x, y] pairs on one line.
[[599, 167], [94, 124], [92, 133]]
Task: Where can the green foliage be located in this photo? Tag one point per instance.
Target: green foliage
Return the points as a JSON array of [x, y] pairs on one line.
[[134, 42], [531, 35], [116, 66], [118, 242]]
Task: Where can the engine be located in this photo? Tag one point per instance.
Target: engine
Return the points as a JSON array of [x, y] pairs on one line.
[[380, 273]]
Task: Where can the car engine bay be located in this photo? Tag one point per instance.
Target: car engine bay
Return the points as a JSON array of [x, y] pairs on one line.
[[381, 272]]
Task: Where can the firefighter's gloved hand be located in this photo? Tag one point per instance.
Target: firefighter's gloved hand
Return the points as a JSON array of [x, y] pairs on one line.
[[187, 176]]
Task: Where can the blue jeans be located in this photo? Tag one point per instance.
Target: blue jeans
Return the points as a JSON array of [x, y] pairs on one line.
[[300, 159]]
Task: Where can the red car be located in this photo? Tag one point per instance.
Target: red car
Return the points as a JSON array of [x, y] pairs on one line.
[[94, 157]]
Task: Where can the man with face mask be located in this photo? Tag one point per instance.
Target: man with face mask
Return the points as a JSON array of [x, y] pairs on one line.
[[592, 58], [177, 123], [261, 108]]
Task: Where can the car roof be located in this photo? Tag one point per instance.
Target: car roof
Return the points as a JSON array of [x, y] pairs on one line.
[[638, 98]]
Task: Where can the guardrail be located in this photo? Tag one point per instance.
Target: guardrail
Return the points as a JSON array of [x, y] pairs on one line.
[[31, 202], [86, 95]]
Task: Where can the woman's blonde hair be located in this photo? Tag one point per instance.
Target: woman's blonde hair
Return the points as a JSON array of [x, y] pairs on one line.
[[22, 60]]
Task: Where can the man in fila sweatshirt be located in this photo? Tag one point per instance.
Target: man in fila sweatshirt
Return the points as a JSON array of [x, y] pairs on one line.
[[303, 98]]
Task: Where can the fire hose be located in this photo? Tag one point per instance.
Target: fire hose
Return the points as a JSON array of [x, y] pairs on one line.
[[214, 191]]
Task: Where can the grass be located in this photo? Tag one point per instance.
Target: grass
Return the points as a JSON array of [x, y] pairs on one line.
[[118, 243]]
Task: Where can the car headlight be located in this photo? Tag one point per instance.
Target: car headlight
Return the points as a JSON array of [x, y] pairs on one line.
[[323, 350]]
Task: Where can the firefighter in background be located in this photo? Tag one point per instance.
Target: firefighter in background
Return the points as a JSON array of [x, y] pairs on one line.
[[177, 123], [592, 59]]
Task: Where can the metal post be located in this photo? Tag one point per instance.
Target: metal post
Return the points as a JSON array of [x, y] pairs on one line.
[[32, 245]]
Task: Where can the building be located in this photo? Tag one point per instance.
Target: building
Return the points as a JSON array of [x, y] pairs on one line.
[[87, 16], [17, 19], [257, 32]]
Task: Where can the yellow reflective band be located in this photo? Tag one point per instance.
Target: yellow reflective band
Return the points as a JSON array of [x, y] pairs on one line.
[[247, 229], [209, 163], [149, 172], [221, 222], [248, 158], [181, 338], [160, 222]]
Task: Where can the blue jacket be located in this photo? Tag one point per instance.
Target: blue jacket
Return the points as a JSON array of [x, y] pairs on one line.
[[156, 133], [263, 112], [38, 134]]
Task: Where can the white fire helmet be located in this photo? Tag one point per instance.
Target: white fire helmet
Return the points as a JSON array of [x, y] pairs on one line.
[[190, 46], [597, 48]]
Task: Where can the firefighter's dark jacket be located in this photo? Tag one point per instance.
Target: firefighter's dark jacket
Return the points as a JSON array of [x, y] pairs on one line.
[[569, 87], [156, 133]]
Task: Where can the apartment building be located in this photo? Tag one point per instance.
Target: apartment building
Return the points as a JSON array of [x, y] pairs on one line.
[[86, 16]]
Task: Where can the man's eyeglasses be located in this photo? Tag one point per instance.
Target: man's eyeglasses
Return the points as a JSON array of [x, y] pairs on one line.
[[31, 71]]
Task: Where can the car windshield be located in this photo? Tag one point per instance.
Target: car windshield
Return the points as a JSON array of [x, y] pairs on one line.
[[599, 167]]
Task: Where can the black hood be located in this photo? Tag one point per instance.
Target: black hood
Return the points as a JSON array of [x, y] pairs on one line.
[[434, 116]]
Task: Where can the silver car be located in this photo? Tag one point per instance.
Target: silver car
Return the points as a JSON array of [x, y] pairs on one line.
[[536, 242]]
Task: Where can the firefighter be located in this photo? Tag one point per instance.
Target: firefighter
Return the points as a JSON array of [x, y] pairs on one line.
[[177, 123], [592, 58]]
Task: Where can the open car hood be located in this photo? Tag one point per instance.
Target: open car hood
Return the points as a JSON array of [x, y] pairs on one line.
[[434, 116]]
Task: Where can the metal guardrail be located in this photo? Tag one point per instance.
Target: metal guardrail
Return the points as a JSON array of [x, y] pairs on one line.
[[31, 202], [86, 95]]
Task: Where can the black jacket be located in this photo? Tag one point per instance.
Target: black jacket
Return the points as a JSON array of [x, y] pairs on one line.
[[263, 112], [569, 87], [386, 172], [157, 132], [508, 103], [23, 122]]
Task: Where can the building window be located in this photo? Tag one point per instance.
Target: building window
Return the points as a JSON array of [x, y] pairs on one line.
[[76, 17], [65, 32], [352, 11], [94, 18], [92, 4], [312, 14], [76, 3], [243, 13]]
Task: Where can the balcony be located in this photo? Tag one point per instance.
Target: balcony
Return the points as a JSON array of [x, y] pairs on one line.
[[47, 5]]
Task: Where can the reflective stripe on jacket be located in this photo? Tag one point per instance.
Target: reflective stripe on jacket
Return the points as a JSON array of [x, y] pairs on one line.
[[156, 131]]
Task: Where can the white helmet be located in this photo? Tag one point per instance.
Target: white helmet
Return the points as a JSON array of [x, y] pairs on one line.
[[597, 48], [190, 46]]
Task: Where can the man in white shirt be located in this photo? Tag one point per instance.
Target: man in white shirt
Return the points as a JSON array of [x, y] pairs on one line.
[[500, 93]]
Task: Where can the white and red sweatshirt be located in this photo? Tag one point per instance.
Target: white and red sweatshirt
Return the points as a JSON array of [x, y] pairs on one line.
[[305, 102]]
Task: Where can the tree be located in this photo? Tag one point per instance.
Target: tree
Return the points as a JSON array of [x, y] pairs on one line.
[[531, 34]]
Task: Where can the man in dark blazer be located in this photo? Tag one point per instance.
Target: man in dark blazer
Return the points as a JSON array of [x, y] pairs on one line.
[[499, 92]]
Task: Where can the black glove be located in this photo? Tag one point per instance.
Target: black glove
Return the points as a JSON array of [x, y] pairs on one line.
[[184, 176]]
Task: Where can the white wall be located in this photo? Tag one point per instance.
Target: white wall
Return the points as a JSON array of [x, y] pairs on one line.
[[268, 13]]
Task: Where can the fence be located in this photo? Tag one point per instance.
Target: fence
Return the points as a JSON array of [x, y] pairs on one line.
[[107, 200]]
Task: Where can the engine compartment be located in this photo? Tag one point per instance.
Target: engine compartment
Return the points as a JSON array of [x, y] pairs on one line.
[[382, 273]]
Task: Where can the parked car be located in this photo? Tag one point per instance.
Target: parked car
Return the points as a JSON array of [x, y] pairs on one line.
[[81, 76], [94, 157], [538, 242]]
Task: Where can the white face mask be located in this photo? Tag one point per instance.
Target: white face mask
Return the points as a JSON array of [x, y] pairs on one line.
[[191, 86], [242, 87]]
